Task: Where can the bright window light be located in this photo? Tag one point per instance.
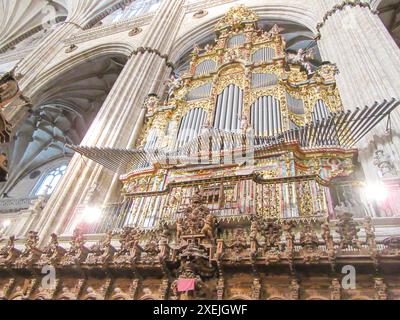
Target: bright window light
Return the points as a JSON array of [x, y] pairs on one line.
[[6, 223], [376, 191], [91, 215]]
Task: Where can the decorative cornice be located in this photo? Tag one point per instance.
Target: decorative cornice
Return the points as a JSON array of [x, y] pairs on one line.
[[202, 5], [340, 7], [103, 31], [141, 50]]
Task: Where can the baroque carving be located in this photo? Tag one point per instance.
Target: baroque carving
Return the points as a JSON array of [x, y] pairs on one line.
[[336, 290], [130, 250], [294, 288], [309, 242], [8, 254], [102, 253], [347, 230], [31, 253], [380, 289], [77, 252], [52, 253], [235, 16]]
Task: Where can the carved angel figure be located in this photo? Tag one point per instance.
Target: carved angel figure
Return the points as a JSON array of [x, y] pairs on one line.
[[9, 253], [53, 252], [173, 83], [369, 232], [129, 250], [77, 252], [209, 226], [348, 230], [102, 252], [31, 253], [302, 58]]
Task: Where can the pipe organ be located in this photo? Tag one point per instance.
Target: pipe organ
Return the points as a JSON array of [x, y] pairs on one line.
[[205, 67], [228, 109], [295, 106], [263, 80], [226, 194], [236, 40], [265, 116], [201, 92], [320, 111], [190, 126], [249, 127], [243, 85], [264, 54]]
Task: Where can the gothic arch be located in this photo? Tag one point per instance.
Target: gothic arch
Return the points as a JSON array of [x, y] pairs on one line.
[[104, 13], [66, 296], [49, 76], [389, 13], [17, 296], [91, 296], [31, 15]]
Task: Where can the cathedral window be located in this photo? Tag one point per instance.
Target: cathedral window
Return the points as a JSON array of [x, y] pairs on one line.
[[135, 9], [49, 182]]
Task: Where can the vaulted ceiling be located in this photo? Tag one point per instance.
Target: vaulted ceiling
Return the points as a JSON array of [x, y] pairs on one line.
[[67, 108], [22, 18]]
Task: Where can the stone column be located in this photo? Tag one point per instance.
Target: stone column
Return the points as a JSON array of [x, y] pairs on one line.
[[116, 119], [354, 37]]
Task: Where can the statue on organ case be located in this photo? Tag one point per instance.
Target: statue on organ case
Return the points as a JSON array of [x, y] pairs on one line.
[[302, 57], [173, 83]]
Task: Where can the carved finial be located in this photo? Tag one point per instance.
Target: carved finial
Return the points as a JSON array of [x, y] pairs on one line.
[[236, 16]]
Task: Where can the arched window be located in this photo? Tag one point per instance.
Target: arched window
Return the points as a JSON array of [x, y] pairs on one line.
[[50, 181], [135, 9]]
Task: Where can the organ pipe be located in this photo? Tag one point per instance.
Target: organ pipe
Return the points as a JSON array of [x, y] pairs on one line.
[[229, 108], [265, 116], [236, 41], [263, 55], [191, 125], [205, 67]]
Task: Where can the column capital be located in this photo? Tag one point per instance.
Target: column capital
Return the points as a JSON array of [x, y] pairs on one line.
[[340, 7]]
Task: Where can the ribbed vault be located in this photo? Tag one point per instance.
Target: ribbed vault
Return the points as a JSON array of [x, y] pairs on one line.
[[65, 111], [21, 19]]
